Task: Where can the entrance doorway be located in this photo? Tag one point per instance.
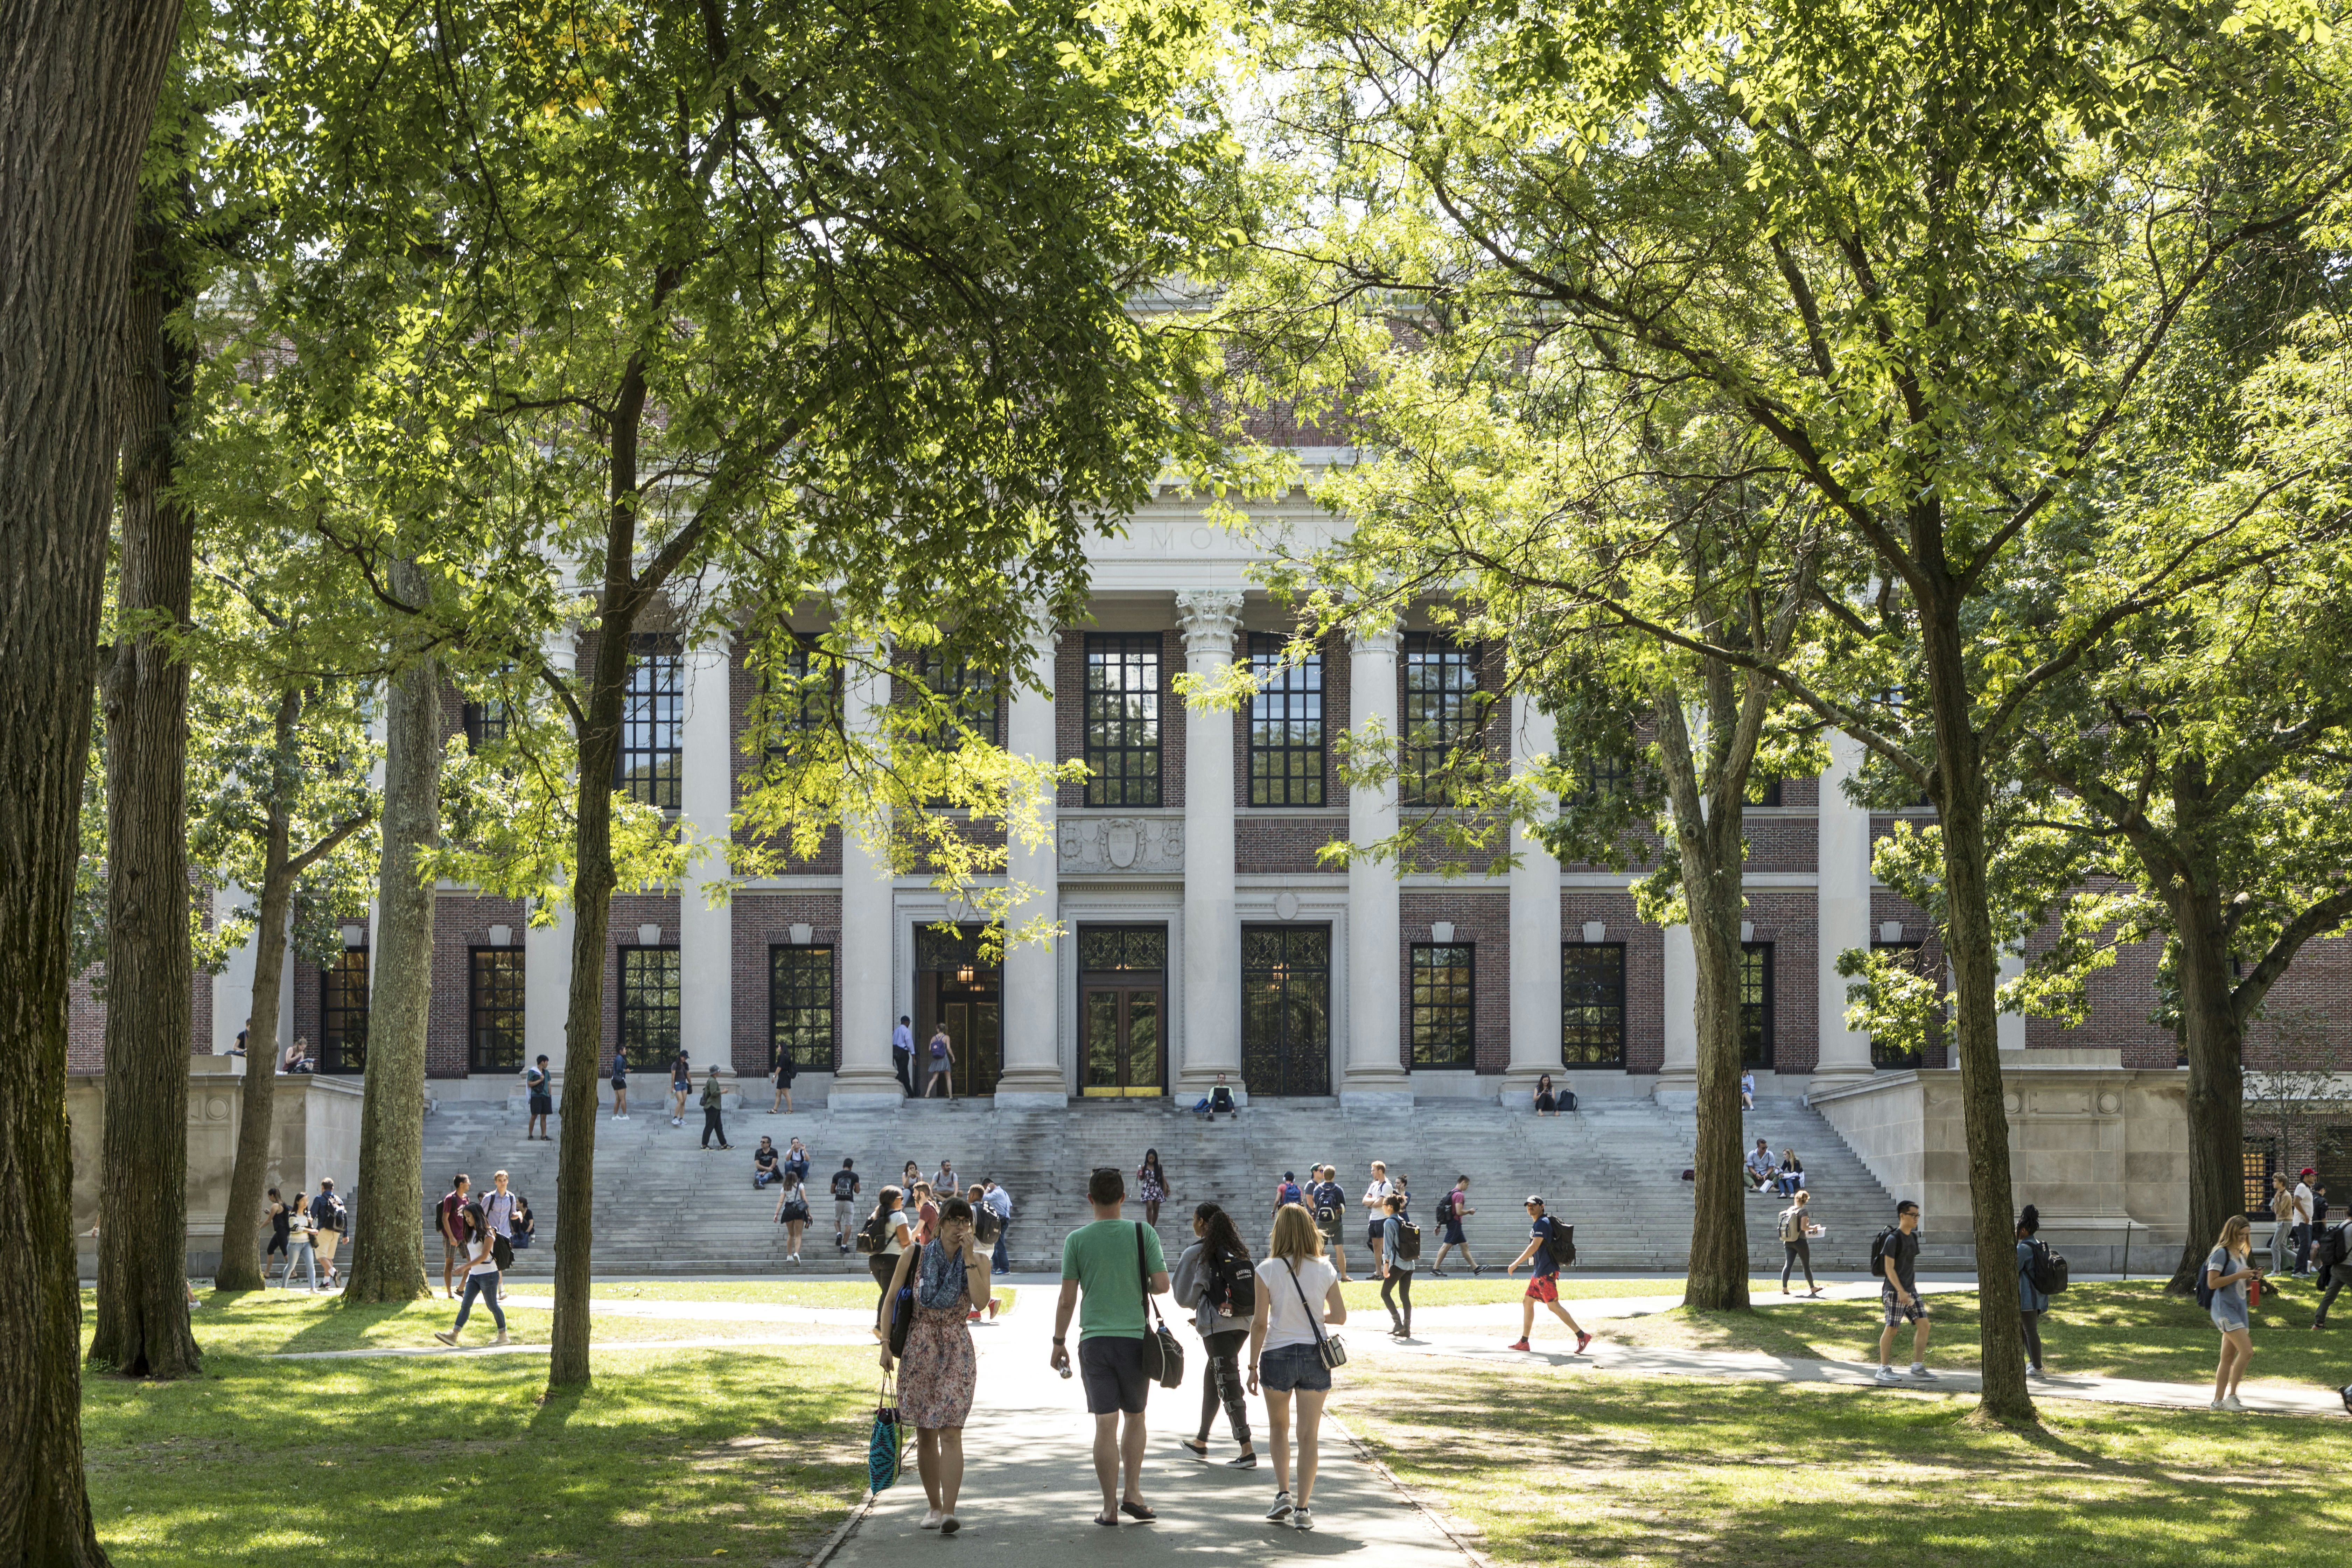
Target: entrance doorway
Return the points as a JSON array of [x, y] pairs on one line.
[[1122, 975], [955, 988], [1287, 1009]]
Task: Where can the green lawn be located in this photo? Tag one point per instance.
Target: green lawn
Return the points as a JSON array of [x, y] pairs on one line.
[[2113, 1329], [858, 1293], [1491, 1287], [1620, 1471], [671, 1455]]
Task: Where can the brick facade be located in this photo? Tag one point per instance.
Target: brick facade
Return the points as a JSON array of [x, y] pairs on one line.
[[763, 920], [630, 910], [1646, 966], [1483, 920], [461, 923]]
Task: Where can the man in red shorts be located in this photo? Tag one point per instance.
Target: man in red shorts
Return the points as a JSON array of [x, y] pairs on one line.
[[1547, 1245]]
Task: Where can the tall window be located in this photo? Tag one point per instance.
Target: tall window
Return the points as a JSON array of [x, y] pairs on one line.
[[343, 1013], [800, 1006], [970, 695], [653, 717], [494, 1009], [1603, 776], [1888, 1054], [649, 1006], [1592, 1003], [808, 693], [1756, 1003], [1442, 712], [2257, 1164], [1441, 1022], [1286, 735], [1122, 719], [1287, 1009], [486, 723]]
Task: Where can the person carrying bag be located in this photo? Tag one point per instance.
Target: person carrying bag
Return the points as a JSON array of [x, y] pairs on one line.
[[1163, 1354]]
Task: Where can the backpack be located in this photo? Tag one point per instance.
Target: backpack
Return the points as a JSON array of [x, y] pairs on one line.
[[874, 1235], [984, 1222], [1792, 1225], [1407, 1242], [1878, 1253], [1445, 1209], [844, 1185], [1232, 1286], [2205, 1291], [2046, 1268], [939, 1049], [1327, 1203], [1559, 1242], [1289, 1194], [334, 1218], [2329, 1251]]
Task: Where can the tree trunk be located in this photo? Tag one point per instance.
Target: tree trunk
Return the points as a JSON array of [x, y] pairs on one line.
[[388, 1250], [2217, 1103], [1719, 1251], [142, 1238], [77, 86], [1960, 810], [240, 1254]]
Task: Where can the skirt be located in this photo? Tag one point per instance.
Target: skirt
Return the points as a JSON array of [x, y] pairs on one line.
[[940, 1370]]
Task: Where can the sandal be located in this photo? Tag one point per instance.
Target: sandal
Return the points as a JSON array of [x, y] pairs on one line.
[[1112, 1522], [1137, 1510]]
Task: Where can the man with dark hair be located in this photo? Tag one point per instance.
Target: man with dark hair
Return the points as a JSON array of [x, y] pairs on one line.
[[902, 1053], [1327, 1200], [999, 1204], [452, 1232], [1899, 1294], [536, 1083], [1111, 1264], [845, 1204], [1547, 1250]]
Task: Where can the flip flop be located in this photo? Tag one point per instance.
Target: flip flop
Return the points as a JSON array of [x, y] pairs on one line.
[[1137, 1510], [1113, 1523]]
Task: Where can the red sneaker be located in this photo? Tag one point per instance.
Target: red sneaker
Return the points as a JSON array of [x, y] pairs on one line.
[[1582, 1339], [1521, 1345]]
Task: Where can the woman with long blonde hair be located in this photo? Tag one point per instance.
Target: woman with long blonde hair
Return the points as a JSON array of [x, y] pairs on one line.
[[1285, 1351], [2227, 1272]]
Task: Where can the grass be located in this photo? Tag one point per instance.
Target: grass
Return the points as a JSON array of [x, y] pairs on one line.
[[857, 1293], [1620, 1471], [1493, 1286], [667, 1456], [2111, 1328]]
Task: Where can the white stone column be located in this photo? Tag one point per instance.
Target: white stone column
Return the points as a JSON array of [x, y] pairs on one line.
[[233, 984], [2009, 1029], [547, 950], [1034, 1078], [1212, 1038], [1677, 1082], [1535, 920], [1842, 859], [1375, 1072], [866, 1080], [706, 936]]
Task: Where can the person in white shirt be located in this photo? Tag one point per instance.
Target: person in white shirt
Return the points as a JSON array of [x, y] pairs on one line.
[[1001, 1201], [1760, 1166], [1376, 1199], [2303, 1226], [902, 1052], [499, 1206], [1286, 1352]]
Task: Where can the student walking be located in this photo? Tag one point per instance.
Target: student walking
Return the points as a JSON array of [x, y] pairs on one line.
[[939, 1369], [2335, 1252], [1108, 1266], [895, 1229], [536, 1083], [2032, 1299], [985, 1228], [786, 1070], [1213, 1278], [277, 1211], [2226, 1271], [1376, 1201], [499, 1206], [1547, 1251], [939, 1080], [450, 1220], [1898, 1296], [1396, 1271], [713, 1097], [1796, 1231], [1001, 1201], [902, 1053], [329, 1221], [1327, 1200], [1452, 1210], [681, 1084], [481, 1278], [1298, 1295], [299, 1251], [1150, 1187], [793, 1214], [2282, 1222], [845, 1204], [620, 1085]]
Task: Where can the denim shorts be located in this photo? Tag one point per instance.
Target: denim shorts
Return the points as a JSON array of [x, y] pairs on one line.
[[1288, 1367]]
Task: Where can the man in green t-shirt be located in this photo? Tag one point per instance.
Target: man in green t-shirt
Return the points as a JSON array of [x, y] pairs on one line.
[[1108, 1265]]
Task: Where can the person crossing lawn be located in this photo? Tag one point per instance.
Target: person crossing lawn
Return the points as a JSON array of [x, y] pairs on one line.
[[1547, 1247]]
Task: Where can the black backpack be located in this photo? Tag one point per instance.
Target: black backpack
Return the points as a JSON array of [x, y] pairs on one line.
[[1233, 1284], [1445, 1209], [2047, 1269], [1559, 1241], [874, 1235], [1878, 1253], [1407, 1245], [844, 1185], [334, 1218], [1327, 1207]]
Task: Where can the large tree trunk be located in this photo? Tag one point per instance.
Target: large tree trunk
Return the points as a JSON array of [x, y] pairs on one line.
[[77, 86], [1960, 810], [388, 1250], [1719, 1251], [143, 1240], [240, 1252], [2217, 1103]]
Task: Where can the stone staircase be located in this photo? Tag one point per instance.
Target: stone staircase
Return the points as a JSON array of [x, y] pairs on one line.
[[1612, 1169]]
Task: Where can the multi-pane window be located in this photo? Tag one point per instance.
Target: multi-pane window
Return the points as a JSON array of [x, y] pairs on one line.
[[1440, 1026], [800, 1006], [1122, 719], [1888, 1054], [1756, 1003], [1286, 735], [649, 1006], [808, 691], [494, 1009], [1443, 713], [653, 719], [969, 694], [2257, 1164], [1770, 794], [343, 1013], [1592, 1003], [486, 723], [1603, 775]]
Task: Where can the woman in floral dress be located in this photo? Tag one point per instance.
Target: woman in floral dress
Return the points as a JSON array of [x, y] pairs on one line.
[[936, 1375], [1150, 1187]]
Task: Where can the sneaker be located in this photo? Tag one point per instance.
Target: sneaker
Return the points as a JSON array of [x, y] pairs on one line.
[[2215, 1405], [1302, 1519], [1282, 1509], [1582, 1339], [1921, 1373], [1887, 1374], [450, 1339], [2035, 1374], [1521, 1345], [948, 1525], [1477, 1270], [931, 1519], [2229, 1402]]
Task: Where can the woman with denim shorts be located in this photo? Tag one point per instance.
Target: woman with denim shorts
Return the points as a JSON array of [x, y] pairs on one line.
[[1285, 1360], [2226, 1271]]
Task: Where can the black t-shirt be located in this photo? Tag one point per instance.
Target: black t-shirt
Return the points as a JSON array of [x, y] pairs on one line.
[[1901, 1254], [844, 1185], [764, 1158]]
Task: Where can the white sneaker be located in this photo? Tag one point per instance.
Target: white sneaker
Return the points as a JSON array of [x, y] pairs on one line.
[[2215, 1405], [1302, 1519], [931, 1519], [1888, 1374], [1281, 1508], [2229, 1402], [1921, 1373]]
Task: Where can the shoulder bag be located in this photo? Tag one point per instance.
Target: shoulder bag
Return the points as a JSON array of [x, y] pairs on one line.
[[1328, 1348], [1163, 1353]]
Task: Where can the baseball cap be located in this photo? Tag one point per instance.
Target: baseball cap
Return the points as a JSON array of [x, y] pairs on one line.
[[2309, 1172], [1531, 1198]]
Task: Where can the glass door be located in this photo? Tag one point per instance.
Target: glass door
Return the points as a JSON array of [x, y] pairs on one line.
[[1287, 1009], [1122, 1042]]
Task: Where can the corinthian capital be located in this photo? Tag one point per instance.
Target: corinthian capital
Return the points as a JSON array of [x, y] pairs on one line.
[[1209, 617]]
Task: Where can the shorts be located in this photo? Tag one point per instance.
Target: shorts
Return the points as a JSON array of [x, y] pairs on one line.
[[679, 1086], [1329, 1229], [276, 1243], [842, 1214], [2229, 1314], [542, 1105], [1453, 1236], [1543, 1288], [1374, 1232], [1288, 1368], [1909, 1311], [1112, 1370]]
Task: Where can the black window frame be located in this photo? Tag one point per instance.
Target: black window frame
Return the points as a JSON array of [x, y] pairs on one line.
[[626, 1012], [339, 983], [1757, 1028], [645, 724], [1286, 768], [1602, 775], [1611, 997], [1288, 965], [2255, 1183], [813, 1047], [1106, 735], [1771, 794], [975, 697], [1427, 742], [486, 723], [1887, 1058], [810, 710], [504, 1002], [1424, 1012]]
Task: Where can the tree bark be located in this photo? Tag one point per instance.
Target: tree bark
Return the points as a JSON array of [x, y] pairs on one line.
[[142, 1242], [78, 88], [1960, 796], [2217, 1092], [240, 1252], [388, 1249]]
